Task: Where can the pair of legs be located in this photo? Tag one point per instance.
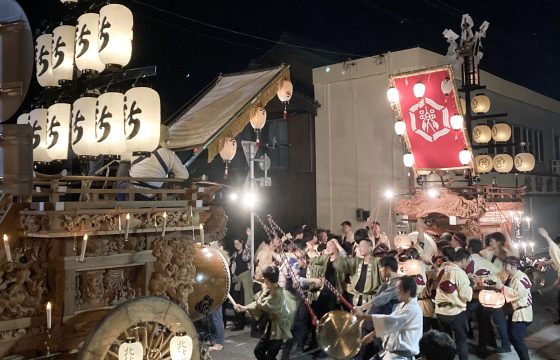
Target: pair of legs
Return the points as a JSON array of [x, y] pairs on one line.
[[267, 349], [457, 327], [517, 331], [217, 321]]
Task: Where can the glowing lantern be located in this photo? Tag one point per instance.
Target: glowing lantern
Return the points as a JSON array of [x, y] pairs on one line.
[[63, 53], [480, 104], [23, 119], [402, 241], [285, 93], [419, 89], [411, 267], [400, 128], [491, 299], [463, 105], [43, 63], [142, 114], [227, 152], [503, 163], [456, 122], [58, 131], [181, 347], [465, 157], [408, 160], [83, 126], [483, 163], [69, 1], [393, 95], [109, 124], [87, 44], [131, 350], [38, 122], [446, 86], [524, 162], [258, 119], [482, 134], [501, 132], [115, 35]]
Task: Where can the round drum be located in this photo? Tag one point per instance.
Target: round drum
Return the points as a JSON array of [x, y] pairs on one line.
[[211, 282], [339, 334]]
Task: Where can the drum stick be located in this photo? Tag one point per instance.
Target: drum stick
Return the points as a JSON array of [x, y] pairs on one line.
[[231, 300]]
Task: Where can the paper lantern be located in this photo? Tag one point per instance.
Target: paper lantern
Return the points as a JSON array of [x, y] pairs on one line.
[[393, 95], [503, 163], [69, 1], [402, 241], [58, 131], [419, 89], [23, 119], [400, 128], [463, 104], [181, 347], [131, 350], [524, 162], [408, 160], [465, 157], [491, 299], [501, 132], [411, 267], [446, 86], [109, 124], [456, 122], [83, 126], [483, 163], [285, 91], [87, 44], [115, 35], [38, 122], [482, 134], [63, 53], [258, 119], [142, 113], [480, 104], [227, 152], [43, 63]]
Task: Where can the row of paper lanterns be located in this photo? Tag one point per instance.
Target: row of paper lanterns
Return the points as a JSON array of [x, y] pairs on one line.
[[180, 348], [465, 157], [500, 132], [111, 124], [504, 163], [97, 41]]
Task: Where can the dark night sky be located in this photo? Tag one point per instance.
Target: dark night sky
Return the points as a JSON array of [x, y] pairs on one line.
[[521, 44]]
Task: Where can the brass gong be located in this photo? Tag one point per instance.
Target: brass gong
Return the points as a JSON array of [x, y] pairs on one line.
[[339, 334]]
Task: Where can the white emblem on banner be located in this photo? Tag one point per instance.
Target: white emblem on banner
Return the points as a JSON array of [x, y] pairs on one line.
[[424, 119]]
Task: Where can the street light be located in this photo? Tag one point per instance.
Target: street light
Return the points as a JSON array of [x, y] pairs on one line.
[[250, 199]]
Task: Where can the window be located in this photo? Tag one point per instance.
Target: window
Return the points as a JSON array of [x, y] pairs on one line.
[[557, 148]]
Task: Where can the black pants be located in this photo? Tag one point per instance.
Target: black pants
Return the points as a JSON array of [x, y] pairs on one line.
[[457, 326], [267, 349], [517, 331]]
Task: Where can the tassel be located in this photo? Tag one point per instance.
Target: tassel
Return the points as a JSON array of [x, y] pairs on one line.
[[285, 110], [258, 140], [226, 173]]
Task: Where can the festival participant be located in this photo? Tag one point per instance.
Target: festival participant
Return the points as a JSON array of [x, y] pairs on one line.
[[364, 273], [311, 243], [436, 345], [496, 250], [554, 252], [322, 236], [517, 291], [242, 286], [376, 236], [480, 269], [216, 317], [347, 233], [452, 294], [458, 241], [424, 294], [400, 331], [272, 302]]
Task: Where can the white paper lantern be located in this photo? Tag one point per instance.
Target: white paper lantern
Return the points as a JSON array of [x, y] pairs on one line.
[[58, 131], [23, 119], [400, 128], [482, 134], [83, 126], [87, 43], [227, 152], [408, 160], [142, 113], [524, 162], [393, 95], [181, 347], [131, 350], [465, 157], [446, 86], [411, 267], [501, 132], [115, 35], [69, 1], [109, 124], [456, 122], [43, 63], [38, 122], [285, 91], [483, 163], [419, 89], [491, 299], [63, 53], [503, 163], [480, 104], [258, 118]]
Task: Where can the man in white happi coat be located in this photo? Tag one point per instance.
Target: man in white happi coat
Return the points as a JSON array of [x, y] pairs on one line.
[[401, 331]]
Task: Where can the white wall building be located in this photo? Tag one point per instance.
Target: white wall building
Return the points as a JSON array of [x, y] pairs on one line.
[[359, 156]]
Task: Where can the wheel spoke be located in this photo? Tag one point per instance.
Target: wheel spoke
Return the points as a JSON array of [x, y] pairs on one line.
[[112, 354]]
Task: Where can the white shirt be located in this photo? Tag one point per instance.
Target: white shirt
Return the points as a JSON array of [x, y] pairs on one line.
[[150, 167], [400, 331]]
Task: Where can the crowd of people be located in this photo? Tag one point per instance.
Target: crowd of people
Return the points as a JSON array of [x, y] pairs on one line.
[[431, 313]]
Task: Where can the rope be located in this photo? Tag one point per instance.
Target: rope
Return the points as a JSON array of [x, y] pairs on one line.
[[338, 294]]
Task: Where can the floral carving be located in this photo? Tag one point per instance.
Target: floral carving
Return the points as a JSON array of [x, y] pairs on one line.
[[448, 203]]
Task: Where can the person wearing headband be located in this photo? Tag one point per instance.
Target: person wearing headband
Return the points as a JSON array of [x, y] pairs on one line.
[[517, 292], [458, 241]]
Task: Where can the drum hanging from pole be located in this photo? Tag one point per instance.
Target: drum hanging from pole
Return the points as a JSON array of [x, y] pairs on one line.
[[339, 334]]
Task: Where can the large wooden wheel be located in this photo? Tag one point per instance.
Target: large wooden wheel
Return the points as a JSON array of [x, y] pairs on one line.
[[161, 319]]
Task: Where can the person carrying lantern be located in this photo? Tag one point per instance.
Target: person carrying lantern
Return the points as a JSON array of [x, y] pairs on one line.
[[554, 252]]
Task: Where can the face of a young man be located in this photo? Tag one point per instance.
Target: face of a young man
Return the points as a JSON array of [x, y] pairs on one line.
[[345, 229], [364, 248]]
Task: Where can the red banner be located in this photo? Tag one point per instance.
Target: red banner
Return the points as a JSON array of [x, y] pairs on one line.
[[429, 135]]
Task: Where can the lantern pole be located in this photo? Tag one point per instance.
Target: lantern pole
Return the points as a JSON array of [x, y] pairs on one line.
[[252, 152]]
